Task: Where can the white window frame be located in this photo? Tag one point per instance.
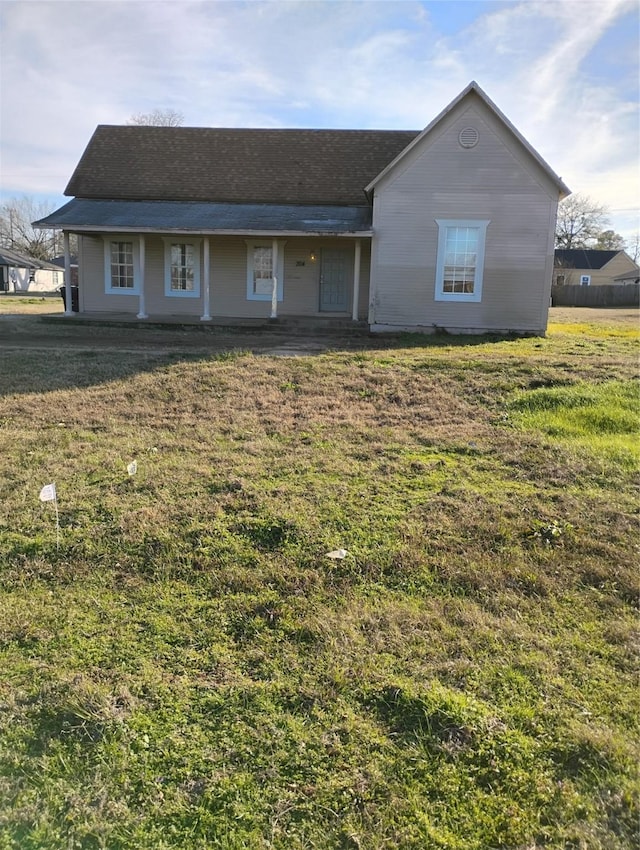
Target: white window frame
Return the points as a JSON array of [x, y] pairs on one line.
[[252, 244], [443, 225], [108, 285], [197, 267]]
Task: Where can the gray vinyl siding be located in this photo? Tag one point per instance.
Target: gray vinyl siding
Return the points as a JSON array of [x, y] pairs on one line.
[[227, 280], [497, 180]]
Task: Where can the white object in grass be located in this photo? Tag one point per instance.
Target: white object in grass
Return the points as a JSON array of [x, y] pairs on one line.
[[48, 493]]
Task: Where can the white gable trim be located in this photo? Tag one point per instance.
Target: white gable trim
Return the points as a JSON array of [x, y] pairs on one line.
[[474, 87], [627, 257]]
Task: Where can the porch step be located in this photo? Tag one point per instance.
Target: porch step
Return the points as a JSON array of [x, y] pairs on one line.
[[294, 325], [301, 324]]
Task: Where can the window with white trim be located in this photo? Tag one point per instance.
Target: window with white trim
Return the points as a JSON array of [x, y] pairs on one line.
[[460, 263], [121, 267], [182, 268], [260, 270]]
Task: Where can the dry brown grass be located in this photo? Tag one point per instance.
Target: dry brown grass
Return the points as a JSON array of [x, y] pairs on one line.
[[190, 668]]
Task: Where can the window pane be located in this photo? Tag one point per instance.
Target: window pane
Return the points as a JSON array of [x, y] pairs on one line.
[[122, 265], [182, 267], [461, 246], [262, 269]]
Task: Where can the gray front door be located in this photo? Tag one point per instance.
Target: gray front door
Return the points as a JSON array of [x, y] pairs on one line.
[[335, 269]]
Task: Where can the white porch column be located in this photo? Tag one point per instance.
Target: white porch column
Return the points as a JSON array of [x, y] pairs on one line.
[[141, 260], [274, 288], [356, 280], [68, 311], [206, 316]]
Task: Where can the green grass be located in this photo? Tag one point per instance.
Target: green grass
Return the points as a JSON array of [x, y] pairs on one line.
[[603, 419], [189, 670], [30, 305]]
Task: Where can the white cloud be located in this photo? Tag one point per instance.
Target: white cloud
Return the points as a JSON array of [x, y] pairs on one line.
[[68, 66], [579, 120]]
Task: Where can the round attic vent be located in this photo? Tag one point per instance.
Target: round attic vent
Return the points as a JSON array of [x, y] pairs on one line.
[[468, 137]]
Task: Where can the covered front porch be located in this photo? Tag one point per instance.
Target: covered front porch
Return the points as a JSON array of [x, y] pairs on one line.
[[218, 262]]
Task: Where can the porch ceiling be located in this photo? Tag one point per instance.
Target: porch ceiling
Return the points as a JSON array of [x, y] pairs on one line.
[[83, 214]]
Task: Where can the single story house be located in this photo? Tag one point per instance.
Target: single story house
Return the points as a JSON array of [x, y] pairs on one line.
[[22, 273], [451, 227], [591, 267]]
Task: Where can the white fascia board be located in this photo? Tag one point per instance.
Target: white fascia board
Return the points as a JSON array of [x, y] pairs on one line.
[[114, 228], [473, 86]]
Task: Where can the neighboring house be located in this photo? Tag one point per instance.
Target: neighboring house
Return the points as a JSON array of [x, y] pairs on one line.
[[21, 273], [451, 227], [590, 267], [73, 265]]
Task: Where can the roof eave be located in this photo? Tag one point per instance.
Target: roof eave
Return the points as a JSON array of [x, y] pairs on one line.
[[91, 216], [202, 231]]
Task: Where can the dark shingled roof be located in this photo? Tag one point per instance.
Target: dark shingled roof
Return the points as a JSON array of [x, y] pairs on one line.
[[326, 167], [583, 258]]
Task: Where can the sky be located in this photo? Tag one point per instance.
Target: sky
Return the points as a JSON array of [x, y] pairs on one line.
[[565, 72]]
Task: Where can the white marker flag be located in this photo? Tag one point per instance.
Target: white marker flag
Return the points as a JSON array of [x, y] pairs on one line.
[[48, 493]]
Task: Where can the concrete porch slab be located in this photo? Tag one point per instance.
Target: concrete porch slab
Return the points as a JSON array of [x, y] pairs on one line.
[[285, 324]]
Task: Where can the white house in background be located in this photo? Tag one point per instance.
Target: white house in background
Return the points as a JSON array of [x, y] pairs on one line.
[[21, 273], [451, 227]]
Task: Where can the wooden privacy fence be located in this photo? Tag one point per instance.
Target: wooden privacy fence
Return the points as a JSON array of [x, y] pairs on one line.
[[596, 296]]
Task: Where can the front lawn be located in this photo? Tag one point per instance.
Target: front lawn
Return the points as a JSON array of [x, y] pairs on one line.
[[30, 305], [186, 668]]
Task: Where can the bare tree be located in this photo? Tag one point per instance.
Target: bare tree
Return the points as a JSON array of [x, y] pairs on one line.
[[16, 231], [580, 220], [633, 247], [158, 118], [563, 271]]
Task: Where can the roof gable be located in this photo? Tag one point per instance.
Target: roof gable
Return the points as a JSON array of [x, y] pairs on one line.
[[474, 89], [233, 165]]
